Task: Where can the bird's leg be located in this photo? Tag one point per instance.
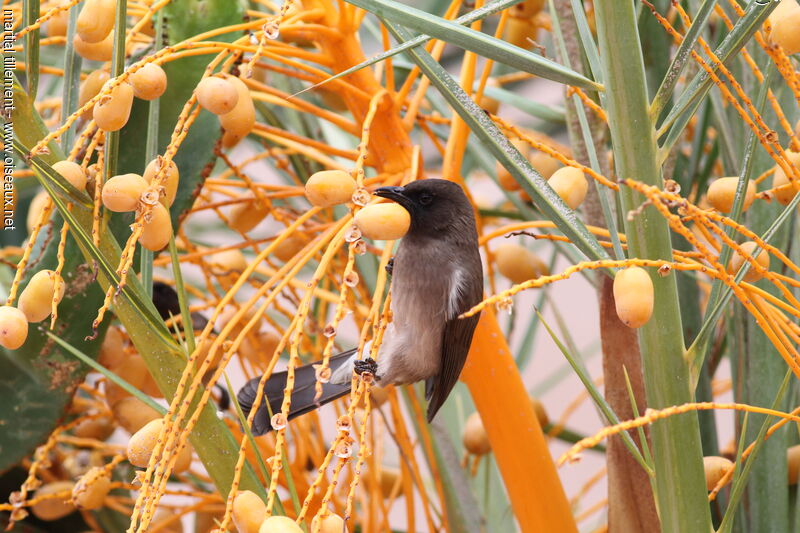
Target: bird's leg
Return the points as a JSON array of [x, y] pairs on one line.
[[368, 365], [390, 266]]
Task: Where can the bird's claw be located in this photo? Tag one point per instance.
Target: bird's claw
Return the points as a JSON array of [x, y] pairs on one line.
[[368, 365], [390, 266]]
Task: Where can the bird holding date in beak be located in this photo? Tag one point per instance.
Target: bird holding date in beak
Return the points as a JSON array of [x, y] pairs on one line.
[[436, 276]]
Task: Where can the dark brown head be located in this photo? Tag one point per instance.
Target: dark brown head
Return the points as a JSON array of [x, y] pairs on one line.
[[438, 207]]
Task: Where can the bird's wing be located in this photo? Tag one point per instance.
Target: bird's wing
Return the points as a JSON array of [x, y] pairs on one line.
[[456, 339]]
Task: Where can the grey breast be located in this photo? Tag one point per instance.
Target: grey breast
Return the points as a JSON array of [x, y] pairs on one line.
[[411, 350]]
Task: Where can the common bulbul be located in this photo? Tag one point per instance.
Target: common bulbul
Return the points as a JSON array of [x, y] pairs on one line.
[[167, 303], [436, 275]]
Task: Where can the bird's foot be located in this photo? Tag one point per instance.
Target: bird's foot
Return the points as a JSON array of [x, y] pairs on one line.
[[366, 366], [390, 266]]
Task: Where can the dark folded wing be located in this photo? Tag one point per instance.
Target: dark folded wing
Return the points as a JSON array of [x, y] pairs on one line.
[[456, 340]]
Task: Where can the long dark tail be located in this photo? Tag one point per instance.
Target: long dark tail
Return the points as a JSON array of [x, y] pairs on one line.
[[303, 393]]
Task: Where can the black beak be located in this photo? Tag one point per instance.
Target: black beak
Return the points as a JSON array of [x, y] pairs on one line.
[[396, 194]]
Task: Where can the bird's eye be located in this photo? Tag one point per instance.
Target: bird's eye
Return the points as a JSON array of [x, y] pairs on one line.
[[425, 199]]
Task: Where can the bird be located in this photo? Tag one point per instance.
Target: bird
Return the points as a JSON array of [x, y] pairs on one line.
[[165, 299], [167, 303], [436, 275]]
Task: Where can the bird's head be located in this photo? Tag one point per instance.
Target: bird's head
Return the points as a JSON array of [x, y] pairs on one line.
[[435, 206]]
